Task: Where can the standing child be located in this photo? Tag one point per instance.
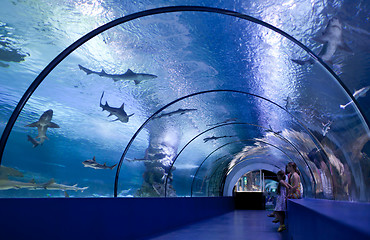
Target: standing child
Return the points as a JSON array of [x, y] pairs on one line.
[[280, 207]]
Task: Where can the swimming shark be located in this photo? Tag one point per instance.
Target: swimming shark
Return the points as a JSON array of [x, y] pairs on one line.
[[326, 127], [118, 112], [128, 75], [226, 121], [359, 93], [42, 125], [52, 185], [143, 160], [93, 164], [33, 141], [332, 38], [178, 111], [6, 184], [215, 138]]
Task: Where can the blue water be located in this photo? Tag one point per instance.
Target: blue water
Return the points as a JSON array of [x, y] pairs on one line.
[[189, 52]]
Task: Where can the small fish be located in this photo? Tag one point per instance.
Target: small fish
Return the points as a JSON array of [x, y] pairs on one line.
[[326, 127], [128, 75], [179, 111], [359, 93], [118, 112], [33, 141], [226, 121], [93, 164], [215, 138], [332, 40], [42, 125]]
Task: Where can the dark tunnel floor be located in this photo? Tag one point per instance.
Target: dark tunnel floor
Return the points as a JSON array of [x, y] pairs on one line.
[[239, 224]]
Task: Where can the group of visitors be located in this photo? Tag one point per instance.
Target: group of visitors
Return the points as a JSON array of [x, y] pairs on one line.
[[289, 187]]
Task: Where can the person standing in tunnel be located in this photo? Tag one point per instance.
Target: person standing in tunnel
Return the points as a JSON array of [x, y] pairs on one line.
[[294, 180], [280, 206]]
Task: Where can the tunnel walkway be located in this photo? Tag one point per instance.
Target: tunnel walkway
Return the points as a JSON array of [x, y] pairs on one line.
[[238, 224]]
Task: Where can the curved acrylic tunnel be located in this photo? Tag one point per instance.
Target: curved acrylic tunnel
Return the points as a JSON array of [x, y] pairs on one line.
[[176, 113], [241, 153]]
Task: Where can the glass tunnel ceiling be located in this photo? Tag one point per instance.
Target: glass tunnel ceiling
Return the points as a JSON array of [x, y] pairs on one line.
[[225, 96]]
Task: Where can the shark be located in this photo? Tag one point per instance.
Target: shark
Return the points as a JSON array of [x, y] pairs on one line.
[[93, 164], [128, 75], [118, 112], [33, 141], [215, 138], [178, 111], [6, 184], [326, 127], [143, 160], [149, 157], [52, 185], [359, 93], [332, 40], [42, 125], [226, 121]]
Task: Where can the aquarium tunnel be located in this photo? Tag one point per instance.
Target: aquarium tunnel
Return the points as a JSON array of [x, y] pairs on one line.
[[106, 100]]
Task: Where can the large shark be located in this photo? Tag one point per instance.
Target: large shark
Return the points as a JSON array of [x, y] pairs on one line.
[[128, 75], [226, 121], [359, 93], [118, 112], [52, 185], [93, 164], [178, 111], [215, 138], [332, 38], [6, 184], [33, 141], [42, 125]]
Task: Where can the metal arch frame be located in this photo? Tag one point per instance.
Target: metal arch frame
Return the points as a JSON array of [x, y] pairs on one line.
[[137, 15], [103, 28], [315, 140], [228, 172], [224, 178], [218, 159], [243, 140], [239, 123], [214, 172]]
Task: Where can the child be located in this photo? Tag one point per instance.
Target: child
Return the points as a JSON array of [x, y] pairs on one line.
[[280, 207]]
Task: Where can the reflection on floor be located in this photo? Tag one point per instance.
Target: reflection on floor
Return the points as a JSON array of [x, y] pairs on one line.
[[239, 224]]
